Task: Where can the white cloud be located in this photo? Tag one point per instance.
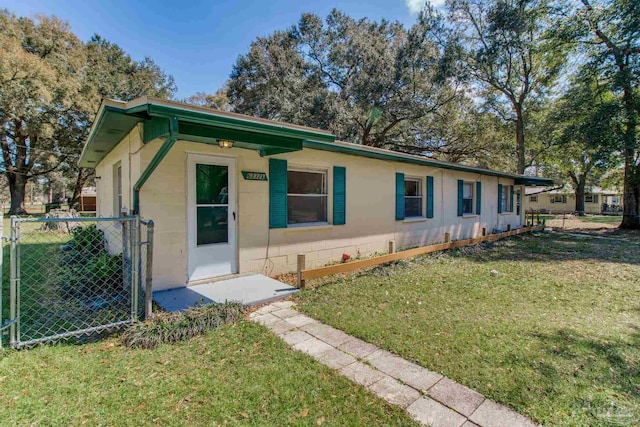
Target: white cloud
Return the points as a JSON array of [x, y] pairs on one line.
[[415, 6]]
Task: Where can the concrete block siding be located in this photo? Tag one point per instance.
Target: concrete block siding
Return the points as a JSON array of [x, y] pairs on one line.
[[370, 208]]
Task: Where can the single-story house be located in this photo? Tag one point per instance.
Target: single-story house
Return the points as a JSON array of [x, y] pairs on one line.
[[597, 200], [232, 194]]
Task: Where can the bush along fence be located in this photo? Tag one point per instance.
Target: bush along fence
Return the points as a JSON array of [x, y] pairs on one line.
[[75, 277], [314, 273]]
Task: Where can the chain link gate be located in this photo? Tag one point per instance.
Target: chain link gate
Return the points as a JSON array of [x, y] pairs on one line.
[[74, 277]]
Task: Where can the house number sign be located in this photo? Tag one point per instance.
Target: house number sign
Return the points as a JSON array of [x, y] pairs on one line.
[[254, 176]]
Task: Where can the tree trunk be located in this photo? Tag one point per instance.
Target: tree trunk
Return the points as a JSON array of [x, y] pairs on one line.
[[83, 174], [17, 187], [520, 144], [631, 194], [579, 193]]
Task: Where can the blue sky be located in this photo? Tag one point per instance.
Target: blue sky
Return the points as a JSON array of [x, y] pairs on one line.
[[197, 41]]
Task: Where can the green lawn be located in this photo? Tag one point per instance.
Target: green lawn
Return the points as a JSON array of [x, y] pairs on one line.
[[237, 375], [555, 335]]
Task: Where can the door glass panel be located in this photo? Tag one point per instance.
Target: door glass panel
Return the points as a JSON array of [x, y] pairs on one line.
[[212, 225], [212, 184]]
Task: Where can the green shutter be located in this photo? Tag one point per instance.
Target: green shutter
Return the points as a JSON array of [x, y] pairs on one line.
[[460, 196], [339, 195], [429, 197], [399, 196], [499, 198], [511, 199], [277, 193], [478, 198]]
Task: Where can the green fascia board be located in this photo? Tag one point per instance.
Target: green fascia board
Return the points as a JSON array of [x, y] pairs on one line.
[[424, 161], [155, 127], [268, 138], [242, 138], [247, 125]]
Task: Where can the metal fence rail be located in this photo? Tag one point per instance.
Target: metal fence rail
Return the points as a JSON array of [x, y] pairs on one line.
[[74, 277]]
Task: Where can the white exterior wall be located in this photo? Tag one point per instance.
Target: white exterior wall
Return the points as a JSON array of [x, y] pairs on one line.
[[370, 208]]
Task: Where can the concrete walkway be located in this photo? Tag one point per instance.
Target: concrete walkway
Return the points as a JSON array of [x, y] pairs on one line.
[[427, 396]]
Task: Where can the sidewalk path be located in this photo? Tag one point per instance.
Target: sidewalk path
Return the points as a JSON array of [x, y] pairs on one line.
[[430, 398]]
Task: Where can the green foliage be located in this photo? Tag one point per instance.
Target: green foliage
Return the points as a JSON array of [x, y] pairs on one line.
[[366, 81], [86, 268], [50, 84], [166, 328], [87, 240]]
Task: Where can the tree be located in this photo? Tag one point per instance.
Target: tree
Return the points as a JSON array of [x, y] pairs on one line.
[[39, 67], [111, 73], [50, 83], [506, 51], [274, 81], [367, 82], [585, 128], [609, 32], [218, 100]]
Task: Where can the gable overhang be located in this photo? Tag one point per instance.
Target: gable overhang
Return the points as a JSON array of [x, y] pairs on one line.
[[115, 119]]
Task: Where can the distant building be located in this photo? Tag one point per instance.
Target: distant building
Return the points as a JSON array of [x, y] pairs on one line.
[[596, 201]]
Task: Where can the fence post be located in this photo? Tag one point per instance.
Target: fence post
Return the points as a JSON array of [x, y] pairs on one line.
[[135, 261], [392, 246], [148, 288], [301, 265], [484, 231], [1, 277], [447, 237], [13, 283], [508, 227]]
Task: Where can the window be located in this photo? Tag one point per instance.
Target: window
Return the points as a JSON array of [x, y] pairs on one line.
[[117, 189], [505, 201], [533, 199], [591, 198], [559, 198], [306, 196], [212, 204], [412, 197], [467, 198]]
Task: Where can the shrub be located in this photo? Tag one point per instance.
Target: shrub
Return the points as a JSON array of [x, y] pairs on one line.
[[167, 328], [87, 240]]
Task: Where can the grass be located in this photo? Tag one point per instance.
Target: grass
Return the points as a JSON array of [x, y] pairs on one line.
[[235, 375], [554, 335]]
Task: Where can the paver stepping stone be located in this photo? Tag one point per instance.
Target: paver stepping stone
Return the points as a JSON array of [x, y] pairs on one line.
[[394, 392], [362, 374], [492, 414], [295, 337], [327, 334], [428, 411], [357, 348], [409, 373], [456, 396]]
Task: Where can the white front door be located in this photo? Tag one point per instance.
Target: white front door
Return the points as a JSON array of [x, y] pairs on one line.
[[211, 216]]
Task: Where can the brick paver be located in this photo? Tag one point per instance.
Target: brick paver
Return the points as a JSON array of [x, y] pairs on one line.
[[427, 396]]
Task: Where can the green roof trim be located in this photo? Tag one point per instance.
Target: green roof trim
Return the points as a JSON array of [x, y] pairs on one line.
[[382, 154], [115, 119]]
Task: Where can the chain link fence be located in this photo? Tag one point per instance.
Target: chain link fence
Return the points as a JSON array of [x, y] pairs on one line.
[[74, 277]]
